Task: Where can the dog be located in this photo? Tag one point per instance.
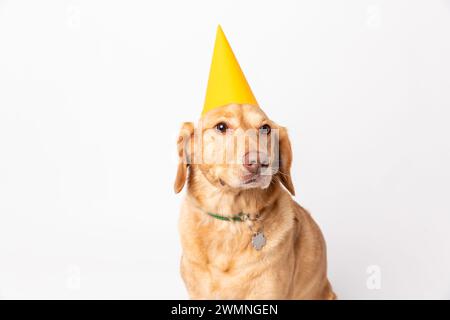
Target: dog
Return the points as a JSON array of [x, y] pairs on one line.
[[242, 234]]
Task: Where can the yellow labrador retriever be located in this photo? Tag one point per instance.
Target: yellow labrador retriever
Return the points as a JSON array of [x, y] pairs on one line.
[[242, 234]]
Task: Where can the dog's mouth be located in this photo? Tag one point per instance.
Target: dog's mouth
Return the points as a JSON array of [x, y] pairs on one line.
[[245, 182], [252, 180], [260, 179], [255, 180]]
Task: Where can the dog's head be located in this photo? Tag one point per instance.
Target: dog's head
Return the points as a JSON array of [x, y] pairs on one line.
[[236, 147]]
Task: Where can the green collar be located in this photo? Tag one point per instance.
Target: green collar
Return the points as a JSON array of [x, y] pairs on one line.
[[240, 217]]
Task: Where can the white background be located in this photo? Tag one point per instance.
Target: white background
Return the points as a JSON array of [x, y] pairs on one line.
[[92, 94]]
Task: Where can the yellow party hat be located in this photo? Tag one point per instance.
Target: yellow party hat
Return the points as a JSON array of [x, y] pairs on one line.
[[226, 83]]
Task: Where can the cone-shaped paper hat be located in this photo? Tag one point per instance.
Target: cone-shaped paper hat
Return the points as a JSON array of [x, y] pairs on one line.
[[227, 83]]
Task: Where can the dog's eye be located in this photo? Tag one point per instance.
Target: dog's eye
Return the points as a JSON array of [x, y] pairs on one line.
[[265, 129], [222, 127]]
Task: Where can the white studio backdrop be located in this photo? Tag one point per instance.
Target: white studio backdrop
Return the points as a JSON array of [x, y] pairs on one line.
[[92, 94]]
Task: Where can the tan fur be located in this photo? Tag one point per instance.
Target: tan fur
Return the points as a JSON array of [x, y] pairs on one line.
[[218, 260]]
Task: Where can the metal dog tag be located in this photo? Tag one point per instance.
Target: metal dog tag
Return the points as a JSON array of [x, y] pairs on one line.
[[258, 240]]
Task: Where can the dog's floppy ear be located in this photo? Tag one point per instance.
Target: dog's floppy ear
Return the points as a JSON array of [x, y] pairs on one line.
[[184, 146], [285, 160]]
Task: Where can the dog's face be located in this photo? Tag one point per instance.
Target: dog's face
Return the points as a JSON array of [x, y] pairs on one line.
[[236, 147]]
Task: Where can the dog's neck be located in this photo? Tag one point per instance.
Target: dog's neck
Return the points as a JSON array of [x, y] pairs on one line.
[[227, 202]]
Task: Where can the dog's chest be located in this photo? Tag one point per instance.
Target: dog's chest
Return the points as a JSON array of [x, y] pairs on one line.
[[224, 264], [242, 275], [227, 251]]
